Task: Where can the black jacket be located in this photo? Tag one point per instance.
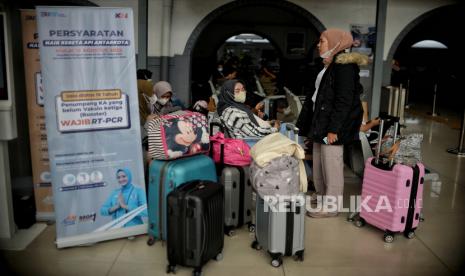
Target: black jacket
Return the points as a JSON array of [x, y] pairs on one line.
[[338, 108]]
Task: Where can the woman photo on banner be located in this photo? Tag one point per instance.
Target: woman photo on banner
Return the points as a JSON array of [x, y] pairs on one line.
[[125, 199]]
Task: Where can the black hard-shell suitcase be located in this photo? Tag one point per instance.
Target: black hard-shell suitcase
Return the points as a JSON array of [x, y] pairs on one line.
[[195, 225]]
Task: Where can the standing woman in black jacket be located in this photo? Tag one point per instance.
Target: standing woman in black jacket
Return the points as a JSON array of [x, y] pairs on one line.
[[337, 114]]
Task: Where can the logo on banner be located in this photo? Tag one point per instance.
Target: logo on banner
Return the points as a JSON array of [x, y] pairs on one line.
[[121, 15], [87, 218], [70, 220], [82, 181], [52, 14]]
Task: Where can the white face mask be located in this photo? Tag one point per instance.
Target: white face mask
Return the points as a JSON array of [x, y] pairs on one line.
[[220, 69], [328, 53], [240, 97], [163, 101]]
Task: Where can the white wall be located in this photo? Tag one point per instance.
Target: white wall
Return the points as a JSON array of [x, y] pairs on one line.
[[134, 4], [187, 14], [341, 14]]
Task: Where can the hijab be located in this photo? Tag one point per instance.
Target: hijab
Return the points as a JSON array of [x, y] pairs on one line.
[[128, 174], [226, 99], [161, 88], [338, 40]]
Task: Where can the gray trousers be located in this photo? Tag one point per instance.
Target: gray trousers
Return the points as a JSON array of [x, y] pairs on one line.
[[328, 169]]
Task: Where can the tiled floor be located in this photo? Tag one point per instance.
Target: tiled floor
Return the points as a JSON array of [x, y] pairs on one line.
[[333, 245]]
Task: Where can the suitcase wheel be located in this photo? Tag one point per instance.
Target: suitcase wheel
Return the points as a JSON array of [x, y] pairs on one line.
[[171, 268], [388, 237], [197, 272], [255, 245], [409, 235], [251, 227], [359, 222], [219, 257], [422, 218], [151, 241], [352, 217], [299, 256], [276, 262]]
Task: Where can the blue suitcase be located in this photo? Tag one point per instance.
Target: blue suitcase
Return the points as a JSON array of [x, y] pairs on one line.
[[165, 176]]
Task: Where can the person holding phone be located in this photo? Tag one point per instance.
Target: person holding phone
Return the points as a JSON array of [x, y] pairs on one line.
[[337, 113]]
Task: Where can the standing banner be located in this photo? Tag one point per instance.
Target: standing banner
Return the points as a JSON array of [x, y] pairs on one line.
[[93, 131], [41, 177]]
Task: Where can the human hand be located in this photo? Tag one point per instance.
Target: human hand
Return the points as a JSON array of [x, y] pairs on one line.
[[259, 107], [332, 138], [151, 117], [114, 208], [393, 150], [277, 124], [121, 201], [308, 143]]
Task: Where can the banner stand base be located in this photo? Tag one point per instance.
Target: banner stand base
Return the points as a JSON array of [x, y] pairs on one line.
[[48, 217], [95, 237], [22, 238]]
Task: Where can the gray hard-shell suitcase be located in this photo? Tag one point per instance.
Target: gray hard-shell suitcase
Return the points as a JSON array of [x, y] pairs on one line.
[[280, 232], [238, 198], [280, 222], [237, 192]]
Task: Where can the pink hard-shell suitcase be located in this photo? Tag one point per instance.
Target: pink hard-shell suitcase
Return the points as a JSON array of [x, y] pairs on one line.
[[392, 196]]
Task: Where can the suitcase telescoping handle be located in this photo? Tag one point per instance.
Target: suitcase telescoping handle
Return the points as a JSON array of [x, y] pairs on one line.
[[216, 124], [378, 147], [293, 128], [380, 139]]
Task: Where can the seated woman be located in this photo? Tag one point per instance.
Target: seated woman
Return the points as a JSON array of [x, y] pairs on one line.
[[160, 103], [239, 120], [164, 104]]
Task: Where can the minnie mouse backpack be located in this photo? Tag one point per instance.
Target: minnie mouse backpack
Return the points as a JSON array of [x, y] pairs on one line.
[[178, 134]]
